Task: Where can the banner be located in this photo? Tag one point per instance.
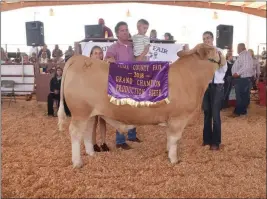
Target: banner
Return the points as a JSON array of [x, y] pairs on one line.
[[138, 83], [157, 51]]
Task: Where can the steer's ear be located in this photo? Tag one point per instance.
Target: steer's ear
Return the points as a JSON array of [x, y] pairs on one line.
[[183, 53]]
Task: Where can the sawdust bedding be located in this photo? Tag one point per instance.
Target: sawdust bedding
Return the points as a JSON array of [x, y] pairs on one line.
[[36, 160]]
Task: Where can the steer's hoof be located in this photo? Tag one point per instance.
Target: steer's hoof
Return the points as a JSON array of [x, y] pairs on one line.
[[104, 147], [97, 148], [91, 153], [77, 165], [174, 160]]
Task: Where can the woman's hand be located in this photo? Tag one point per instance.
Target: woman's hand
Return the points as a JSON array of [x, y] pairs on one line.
[[110, 60]]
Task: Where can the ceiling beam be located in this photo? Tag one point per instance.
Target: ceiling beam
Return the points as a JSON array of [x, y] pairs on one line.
[[262, 7], [199, 4], [247, 4], [261, 12], [17, 5], [228, 2]]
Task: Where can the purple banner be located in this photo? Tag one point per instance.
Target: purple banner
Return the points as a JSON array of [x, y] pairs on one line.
[[139, 81]]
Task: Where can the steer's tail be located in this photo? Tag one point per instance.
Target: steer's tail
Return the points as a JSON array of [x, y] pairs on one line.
[[61, 111]]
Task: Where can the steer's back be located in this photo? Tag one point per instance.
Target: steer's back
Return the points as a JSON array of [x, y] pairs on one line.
[[86, 83]]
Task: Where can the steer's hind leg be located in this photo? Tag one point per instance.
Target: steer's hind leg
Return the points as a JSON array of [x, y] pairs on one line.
[[103, 129], [174, 133], [77, 129], [88, 136]]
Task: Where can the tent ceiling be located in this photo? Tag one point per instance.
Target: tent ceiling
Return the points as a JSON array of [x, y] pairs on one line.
[[253, 7]]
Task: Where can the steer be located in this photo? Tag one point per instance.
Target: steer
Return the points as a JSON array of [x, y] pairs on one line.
[[84, 87]]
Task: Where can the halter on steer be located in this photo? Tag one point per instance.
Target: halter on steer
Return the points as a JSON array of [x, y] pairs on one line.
[[214, 61]]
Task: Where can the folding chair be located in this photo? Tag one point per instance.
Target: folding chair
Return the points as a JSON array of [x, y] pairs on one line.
[[9, 84]]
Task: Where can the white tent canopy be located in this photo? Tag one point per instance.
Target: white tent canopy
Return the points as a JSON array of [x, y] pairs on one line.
[[257, 8]]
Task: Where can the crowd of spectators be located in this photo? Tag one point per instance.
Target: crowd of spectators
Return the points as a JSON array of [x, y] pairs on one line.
[[40, 56]]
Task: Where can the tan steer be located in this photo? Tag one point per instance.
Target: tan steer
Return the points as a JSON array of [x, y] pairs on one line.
[[84, 87]]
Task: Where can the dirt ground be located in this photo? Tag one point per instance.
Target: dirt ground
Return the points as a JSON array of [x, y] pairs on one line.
[[36, 160]]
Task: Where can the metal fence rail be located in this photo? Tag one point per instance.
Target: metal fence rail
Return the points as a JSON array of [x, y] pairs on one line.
[[26, 49]]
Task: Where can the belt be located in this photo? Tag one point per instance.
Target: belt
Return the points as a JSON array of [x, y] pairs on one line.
[[214, 84], [247, 78]]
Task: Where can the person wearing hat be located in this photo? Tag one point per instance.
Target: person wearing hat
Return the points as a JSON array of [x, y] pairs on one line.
[[107, 33]]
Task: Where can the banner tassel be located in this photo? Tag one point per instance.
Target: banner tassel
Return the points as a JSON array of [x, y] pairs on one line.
[[134, 103]]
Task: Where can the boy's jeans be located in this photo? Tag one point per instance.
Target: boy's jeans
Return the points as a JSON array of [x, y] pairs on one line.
[[120, 138]]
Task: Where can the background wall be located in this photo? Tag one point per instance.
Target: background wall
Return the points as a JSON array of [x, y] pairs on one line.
[[186, 24]]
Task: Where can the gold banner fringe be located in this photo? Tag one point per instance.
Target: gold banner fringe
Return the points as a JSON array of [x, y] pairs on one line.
[[134, 103]]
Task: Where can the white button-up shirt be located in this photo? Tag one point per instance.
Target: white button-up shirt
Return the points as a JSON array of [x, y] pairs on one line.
[[33, 50], [243, 66], [220, 72]]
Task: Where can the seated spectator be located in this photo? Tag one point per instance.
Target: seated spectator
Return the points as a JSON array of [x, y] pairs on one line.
[[54, 94], [58, 60], [107, 33], [69, 53], [168, 36], [51, 67], [53, 62], [43, 58], [33, 58], [153, 34], [18, 56], [3, 56], [34, 49], [57, 53], [45, 49]]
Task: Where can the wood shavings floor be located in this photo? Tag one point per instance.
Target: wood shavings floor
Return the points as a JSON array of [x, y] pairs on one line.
[[36, 160]]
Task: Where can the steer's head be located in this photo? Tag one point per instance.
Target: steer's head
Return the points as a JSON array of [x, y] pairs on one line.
[[210, 53], [206, 52]]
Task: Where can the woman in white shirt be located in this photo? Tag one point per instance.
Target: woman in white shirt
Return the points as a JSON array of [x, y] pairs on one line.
[[43, 58]]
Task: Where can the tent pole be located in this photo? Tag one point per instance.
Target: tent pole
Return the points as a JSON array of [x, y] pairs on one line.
[[248, 31]]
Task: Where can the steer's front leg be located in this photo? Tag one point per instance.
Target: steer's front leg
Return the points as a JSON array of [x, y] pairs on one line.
[[174, 133]]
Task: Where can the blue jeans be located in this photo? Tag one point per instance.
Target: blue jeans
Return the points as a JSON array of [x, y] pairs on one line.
[[212, 104], [120, 138], [227, 89], [242, 91]]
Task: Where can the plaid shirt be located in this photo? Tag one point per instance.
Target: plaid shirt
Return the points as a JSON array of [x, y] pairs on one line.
[[243, 66]]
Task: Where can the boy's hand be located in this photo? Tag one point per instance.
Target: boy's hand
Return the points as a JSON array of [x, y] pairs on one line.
[[146, 50]]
